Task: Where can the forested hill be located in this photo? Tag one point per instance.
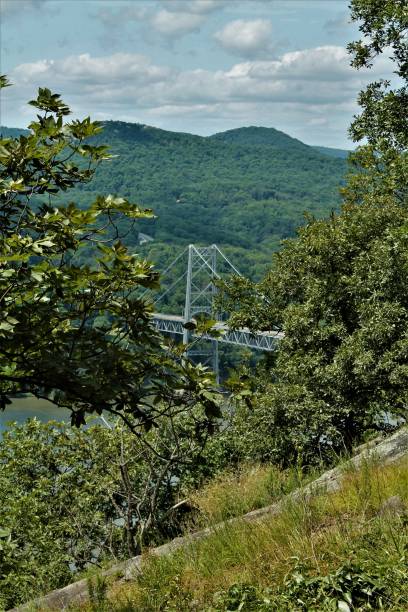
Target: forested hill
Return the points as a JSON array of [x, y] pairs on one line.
[[261, 136], [342, 153], [244, 189], [6, 132]]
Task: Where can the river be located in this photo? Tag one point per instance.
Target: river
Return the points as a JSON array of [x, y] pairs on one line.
[[23, 408]]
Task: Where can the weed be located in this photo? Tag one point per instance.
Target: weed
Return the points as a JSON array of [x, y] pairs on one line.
[[97, 591], [348, 555], [233, 493]]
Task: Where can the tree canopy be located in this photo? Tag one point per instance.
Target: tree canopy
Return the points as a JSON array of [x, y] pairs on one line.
[[79, 333], [338, 290]]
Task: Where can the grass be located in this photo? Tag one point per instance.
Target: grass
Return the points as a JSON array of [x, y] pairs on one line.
[[236, 492], [335, 552]]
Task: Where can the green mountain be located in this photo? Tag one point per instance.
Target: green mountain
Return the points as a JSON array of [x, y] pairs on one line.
[[342, 153], [244, 189], [261, 136], [6, 132], [274, 138]]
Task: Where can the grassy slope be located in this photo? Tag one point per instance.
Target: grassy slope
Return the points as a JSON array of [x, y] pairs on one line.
[[336, 548]]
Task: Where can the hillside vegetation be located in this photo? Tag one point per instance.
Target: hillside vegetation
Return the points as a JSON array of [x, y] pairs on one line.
[[342, 153], [244, 189], [343, 551]]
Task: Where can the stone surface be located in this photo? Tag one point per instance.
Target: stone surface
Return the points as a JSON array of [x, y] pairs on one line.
[[393, 506], [386, 451]]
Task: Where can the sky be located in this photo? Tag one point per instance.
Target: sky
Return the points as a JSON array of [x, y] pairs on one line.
[[198, 66]]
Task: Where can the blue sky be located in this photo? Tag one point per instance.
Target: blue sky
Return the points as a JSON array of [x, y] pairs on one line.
[[199, 66]]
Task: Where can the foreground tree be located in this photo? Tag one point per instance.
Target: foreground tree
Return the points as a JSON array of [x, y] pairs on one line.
[[72, 499], [75, 330], [339, 289], [79, 333]]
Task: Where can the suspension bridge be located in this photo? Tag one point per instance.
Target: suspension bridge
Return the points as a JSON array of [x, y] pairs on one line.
[[202, 270]]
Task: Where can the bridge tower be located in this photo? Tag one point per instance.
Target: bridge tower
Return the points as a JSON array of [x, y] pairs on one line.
[[200, 294], [204, 266]]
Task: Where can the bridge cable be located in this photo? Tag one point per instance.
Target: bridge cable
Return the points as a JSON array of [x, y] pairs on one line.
[[165, 272], [170, 288], [227, 260], [173, 262]]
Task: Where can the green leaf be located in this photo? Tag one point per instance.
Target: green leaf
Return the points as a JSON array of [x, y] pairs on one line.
[[37, 275], [190, 325], [6, 326]]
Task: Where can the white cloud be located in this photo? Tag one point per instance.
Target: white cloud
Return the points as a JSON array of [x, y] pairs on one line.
[[328, 63], [174, 19], [86, 71], [170, 19], [305, 88], [312, 76], [199, 7], [19, 7], [174, 24], [246, 38], [318, 121], [27, 73]]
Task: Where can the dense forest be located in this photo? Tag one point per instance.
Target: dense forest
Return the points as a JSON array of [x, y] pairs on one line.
[[244, 189]]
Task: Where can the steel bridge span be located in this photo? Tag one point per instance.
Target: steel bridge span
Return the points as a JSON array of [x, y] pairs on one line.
[[265, 341]]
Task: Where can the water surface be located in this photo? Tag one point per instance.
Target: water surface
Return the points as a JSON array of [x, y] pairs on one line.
[[28, 407]]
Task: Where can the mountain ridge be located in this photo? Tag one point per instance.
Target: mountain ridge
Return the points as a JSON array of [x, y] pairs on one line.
[[245, 189], [232, 135]]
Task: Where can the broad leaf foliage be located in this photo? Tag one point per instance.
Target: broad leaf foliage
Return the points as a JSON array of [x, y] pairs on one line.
[[78, 334], [339, 290]]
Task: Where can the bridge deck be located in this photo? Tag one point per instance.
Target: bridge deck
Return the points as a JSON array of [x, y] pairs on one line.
[[266, 341]]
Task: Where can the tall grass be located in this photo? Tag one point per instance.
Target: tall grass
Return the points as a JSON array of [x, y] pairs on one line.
[[236, 492], [319, 536]]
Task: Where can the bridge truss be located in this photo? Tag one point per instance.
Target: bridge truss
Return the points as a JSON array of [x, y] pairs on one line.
[[264, 341]]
